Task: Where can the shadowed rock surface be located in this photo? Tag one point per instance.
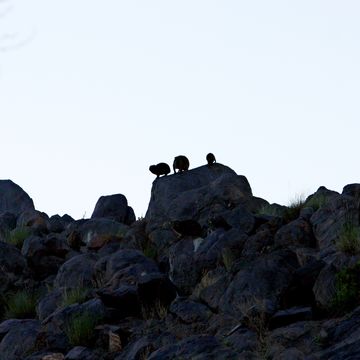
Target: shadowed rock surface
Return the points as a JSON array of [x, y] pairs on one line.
[[211, 272]]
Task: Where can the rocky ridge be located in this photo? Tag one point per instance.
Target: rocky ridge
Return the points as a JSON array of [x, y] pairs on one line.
[[211, 272]]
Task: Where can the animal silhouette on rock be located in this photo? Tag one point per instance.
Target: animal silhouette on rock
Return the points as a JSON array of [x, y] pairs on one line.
[[210, 158], [160, 169], [181, 163]]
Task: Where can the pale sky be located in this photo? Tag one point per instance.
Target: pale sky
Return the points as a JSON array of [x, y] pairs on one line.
[[92, 93]]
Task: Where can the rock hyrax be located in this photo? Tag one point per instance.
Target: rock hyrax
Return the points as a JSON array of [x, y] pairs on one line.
[[160, 169], [181, 163]]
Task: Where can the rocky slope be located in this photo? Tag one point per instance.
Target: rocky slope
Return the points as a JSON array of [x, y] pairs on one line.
[[211, 272]]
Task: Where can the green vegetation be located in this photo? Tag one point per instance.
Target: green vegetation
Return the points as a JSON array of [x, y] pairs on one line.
[[347, 289], [149, 250], [294, 208], [21, 305], [17, 236], [73, 296], [80, 329], [349, 239]]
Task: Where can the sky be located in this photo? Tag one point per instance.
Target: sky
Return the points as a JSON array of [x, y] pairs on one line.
[[92, 93]]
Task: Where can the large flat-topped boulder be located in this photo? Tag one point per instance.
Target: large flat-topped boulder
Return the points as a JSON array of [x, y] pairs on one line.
[[190, 194], [13, 198]]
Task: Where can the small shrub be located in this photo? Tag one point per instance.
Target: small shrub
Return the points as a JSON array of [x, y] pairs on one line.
[[20, 305], [294, 208], [17, 236], [73, 296], [347, 289], [349, 239], [80, 329]]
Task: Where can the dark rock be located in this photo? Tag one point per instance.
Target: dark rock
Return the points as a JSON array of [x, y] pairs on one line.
[[298, 233], [330, 219], [114, 207], [35, 248], [201, 255], [342, 338], [260, 281], [324, 287], [156, 289], [289, 316], [79, 271], [13, 266], [20, 338], [125, 299], [13, 198], [187, 227], [56, 324], [34, 219], [58, 224], [352, 190], [201, 347], [212, 287], [190, 312], [124, 267], [89, 232], [49, 303], [81, 353], [196, 193], [300, 290]]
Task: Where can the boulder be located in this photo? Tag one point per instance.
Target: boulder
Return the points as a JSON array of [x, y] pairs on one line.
[[329, 220], [45, 254], [259, 282], [201, 255], [201, 347], [296, 233], [114, 207], [124, 267], [197, 194], [19, 339], [79, 271], [13, 266], [94, 232], [13, 198], [190, 312], [34, 219]]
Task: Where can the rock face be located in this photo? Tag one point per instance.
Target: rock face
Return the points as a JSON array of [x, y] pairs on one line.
[[13, 198], [187, 195], [212, 272], [114, 207]]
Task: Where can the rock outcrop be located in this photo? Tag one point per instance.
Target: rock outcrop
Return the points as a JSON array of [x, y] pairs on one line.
[[211, 272]]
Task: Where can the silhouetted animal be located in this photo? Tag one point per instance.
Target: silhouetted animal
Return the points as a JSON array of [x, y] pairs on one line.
[[181, 163], [187, 227], [210, 158], [160, 169]]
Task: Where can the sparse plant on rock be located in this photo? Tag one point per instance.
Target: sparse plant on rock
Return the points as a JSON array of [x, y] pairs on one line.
[[347, 289], [349, 239], [80, 329], [293, 210], [21, 305], [17, 236], [75, 295]]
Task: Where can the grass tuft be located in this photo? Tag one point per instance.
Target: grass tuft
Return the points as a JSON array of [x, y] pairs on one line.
[[80, 329], [21, 305], [349, 239], [17, 236], [73, 296]]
